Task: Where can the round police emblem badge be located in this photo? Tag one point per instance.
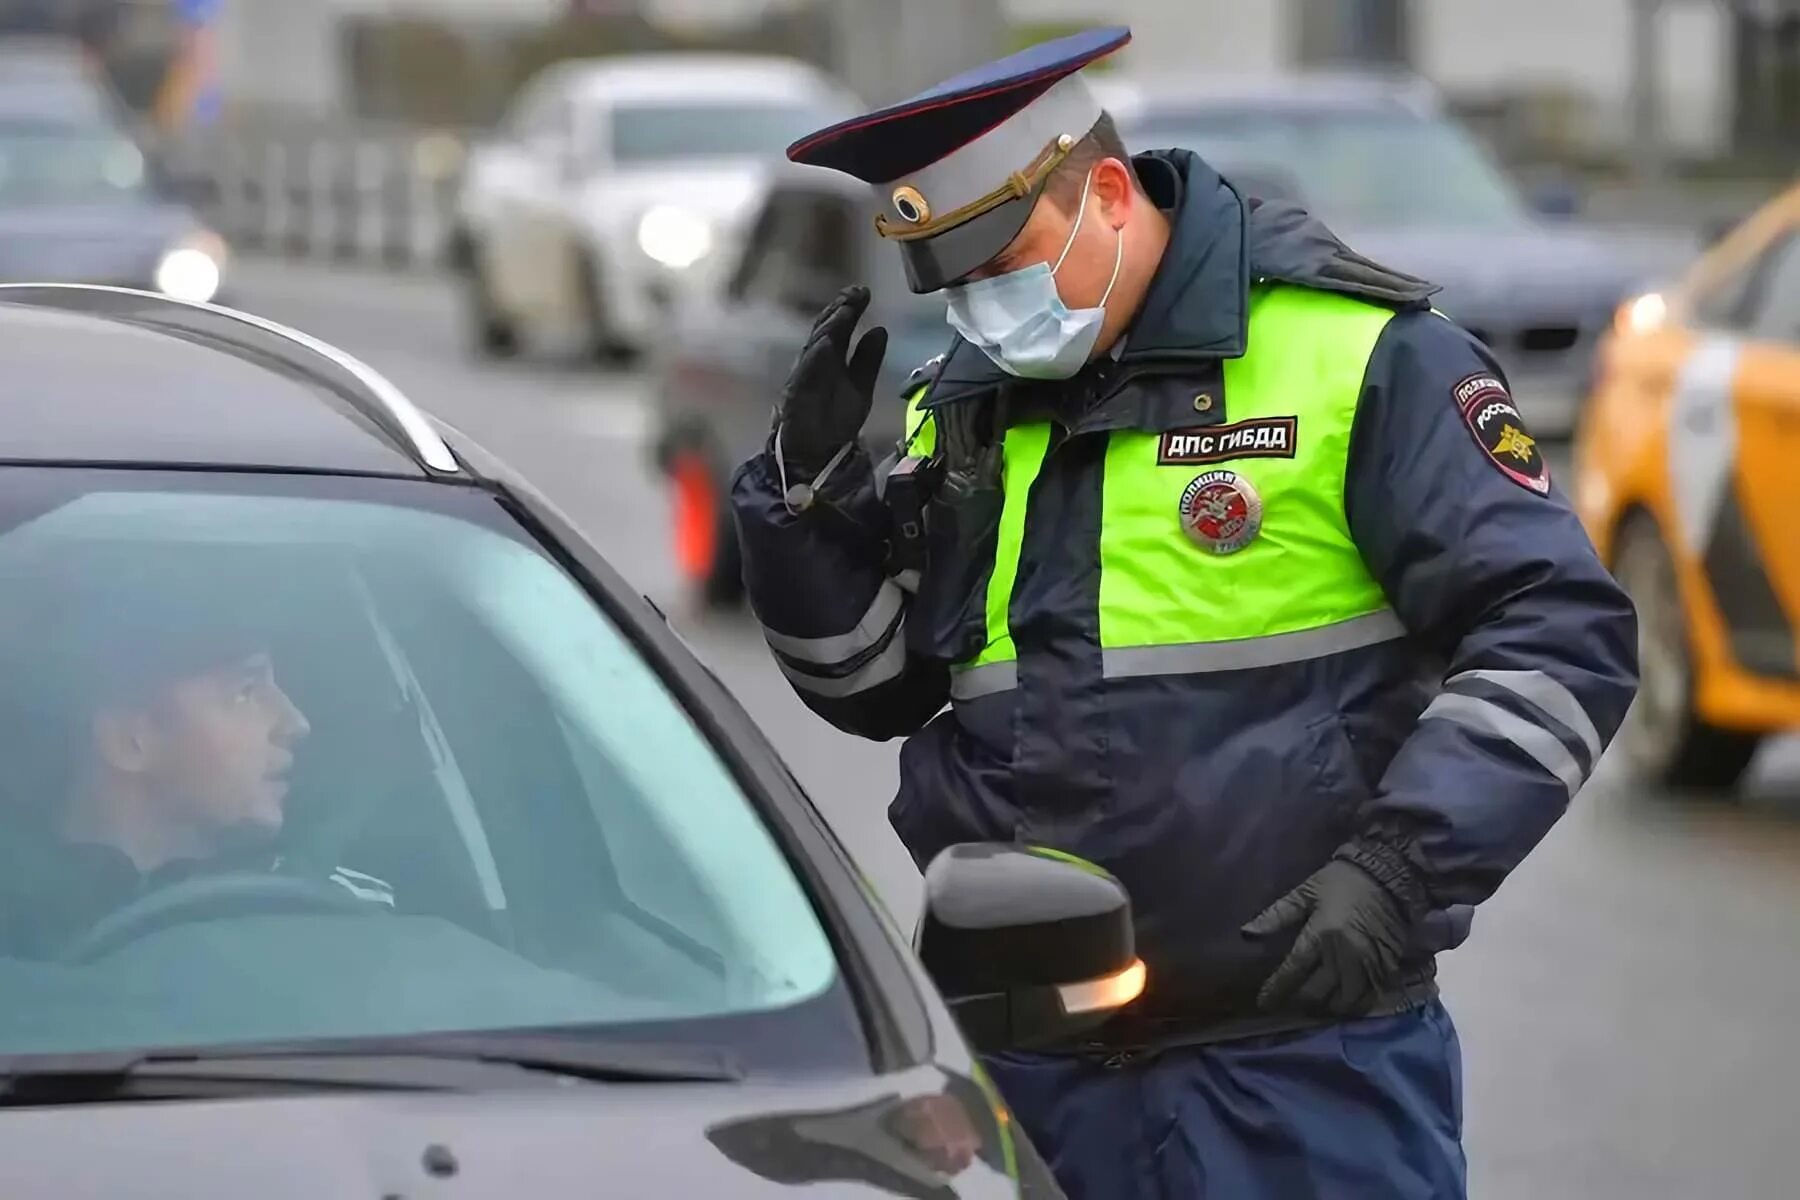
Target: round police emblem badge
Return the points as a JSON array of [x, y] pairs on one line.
[[1221, 511]]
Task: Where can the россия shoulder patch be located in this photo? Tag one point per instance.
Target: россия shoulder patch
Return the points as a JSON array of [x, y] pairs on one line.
[[1487, 409]]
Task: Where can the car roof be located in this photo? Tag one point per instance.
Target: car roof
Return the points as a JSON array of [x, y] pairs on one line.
[[115, 376], [1132, 98], [52, 79], [42, 52], [692, 75]]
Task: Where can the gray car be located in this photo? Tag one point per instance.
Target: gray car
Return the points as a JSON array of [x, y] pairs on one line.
[[1397, 177], [363, 833], [720, 370]]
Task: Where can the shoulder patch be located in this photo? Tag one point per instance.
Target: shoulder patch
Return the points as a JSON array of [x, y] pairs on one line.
[[1487, 409]]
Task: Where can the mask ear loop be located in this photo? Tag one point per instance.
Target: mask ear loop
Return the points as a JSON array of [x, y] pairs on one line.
[[1118, 261], [1119, 239], [1080, 215]]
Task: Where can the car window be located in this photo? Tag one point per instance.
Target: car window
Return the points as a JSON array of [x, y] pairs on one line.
[[1775, 305], [1731, 298], [44, 163], [662, 131], [746, 280], [481, 807], [1354, 167], [804, 251]]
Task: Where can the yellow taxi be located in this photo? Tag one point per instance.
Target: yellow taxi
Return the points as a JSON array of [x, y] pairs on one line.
[[1687, 476]]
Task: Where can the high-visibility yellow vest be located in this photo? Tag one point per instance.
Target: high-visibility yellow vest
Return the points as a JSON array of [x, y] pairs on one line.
[[1170, 603]]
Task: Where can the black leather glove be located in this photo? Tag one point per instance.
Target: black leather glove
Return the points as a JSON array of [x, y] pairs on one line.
[[829, 391], [1356, 915]]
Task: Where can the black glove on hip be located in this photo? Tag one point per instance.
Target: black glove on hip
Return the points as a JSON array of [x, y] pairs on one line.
[[1353, 928], [829, 391]]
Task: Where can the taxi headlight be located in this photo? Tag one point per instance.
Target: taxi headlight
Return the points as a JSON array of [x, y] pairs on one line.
[[193, 269], [674, 237], [1644, 313]]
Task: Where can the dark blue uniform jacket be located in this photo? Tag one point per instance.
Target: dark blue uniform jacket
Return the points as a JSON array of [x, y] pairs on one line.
[[1211, 795]]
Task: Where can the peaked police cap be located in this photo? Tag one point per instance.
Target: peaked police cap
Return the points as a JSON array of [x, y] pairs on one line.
[[957, 169]]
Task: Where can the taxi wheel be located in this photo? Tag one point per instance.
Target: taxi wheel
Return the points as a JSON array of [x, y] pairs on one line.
[[1662, 739], [705, 539]]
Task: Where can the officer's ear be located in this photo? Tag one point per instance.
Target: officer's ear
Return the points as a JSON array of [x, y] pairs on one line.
[[1116, 189]]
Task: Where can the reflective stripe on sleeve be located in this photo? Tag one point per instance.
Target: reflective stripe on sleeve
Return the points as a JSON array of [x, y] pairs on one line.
[[1547, 694], [889, 665], [841, 648], [972, 683], [1484, 716]]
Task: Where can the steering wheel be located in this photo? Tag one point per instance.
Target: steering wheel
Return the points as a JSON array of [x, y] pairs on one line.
[[211, 898]]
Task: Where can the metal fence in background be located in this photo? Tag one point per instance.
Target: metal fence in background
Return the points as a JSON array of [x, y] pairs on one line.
[[374, 194]]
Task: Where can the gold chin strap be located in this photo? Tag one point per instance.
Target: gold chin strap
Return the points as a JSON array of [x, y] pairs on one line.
[[1017, 186]]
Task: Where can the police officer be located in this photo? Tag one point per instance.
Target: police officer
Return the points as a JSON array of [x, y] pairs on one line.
[[1239, 574]]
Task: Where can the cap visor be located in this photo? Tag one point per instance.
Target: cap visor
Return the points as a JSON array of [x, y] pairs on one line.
[[937, 262]]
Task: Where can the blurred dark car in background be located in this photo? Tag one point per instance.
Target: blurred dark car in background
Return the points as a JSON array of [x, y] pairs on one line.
[[720, 370], [81, 199], [1401, 180]]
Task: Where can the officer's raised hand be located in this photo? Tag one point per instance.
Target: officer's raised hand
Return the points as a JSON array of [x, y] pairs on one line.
[[829, 392], [1353, 927]]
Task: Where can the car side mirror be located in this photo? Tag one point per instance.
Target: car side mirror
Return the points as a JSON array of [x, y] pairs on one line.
[[1029, 946]]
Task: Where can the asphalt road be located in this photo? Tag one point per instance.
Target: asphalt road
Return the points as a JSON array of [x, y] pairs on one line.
[[1629, 1000]]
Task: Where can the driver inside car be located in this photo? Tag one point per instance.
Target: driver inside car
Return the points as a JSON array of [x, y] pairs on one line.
[[171, 740]]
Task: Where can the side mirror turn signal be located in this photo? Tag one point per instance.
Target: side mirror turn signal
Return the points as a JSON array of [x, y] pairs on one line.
[[1028, 945]]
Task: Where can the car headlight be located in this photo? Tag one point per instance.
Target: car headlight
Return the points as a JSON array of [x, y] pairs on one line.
[[193, 269], [1644, 313], [675, 237]]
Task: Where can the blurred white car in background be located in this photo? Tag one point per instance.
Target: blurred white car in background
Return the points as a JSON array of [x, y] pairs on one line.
[[612, 183]]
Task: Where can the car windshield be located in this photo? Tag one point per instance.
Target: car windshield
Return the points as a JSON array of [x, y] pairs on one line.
[[44, 163], [292, 759], [669, 131], [1351, 167]]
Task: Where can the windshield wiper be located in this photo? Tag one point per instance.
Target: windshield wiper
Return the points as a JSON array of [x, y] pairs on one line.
[[433, 1062]]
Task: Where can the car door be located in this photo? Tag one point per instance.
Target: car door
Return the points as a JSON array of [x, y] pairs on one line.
[[735, 352], [526, 179], [1734, 442], [1766, 385]]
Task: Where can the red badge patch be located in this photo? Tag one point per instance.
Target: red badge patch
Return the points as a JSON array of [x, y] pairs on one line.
[[1487, 409], [1221, 511]]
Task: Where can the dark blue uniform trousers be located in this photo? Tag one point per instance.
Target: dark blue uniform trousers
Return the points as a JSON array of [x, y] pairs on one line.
[[1369, 1108]]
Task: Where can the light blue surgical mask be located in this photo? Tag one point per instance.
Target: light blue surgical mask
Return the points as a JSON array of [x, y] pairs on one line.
[[1020, 321]]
